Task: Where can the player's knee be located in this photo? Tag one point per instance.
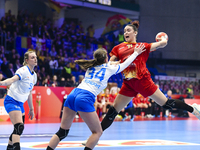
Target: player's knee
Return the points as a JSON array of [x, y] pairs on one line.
[[62, 133], [170, 104], [18, 128], [98, 132], [111, 114]]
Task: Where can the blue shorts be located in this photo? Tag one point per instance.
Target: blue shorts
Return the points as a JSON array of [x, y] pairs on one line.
[[10, 104], [80, 100]]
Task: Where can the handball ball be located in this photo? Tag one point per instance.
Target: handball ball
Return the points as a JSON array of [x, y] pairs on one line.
[[161, 34]]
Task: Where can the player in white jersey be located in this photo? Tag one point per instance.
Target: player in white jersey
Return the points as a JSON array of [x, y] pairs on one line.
[[21, 85], [82, 98]]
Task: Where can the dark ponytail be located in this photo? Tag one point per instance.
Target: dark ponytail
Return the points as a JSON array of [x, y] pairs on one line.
[[99, 58]]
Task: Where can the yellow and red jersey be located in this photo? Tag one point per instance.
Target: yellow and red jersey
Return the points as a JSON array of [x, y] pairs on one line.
[[106, 96], [99, 98], [138, 67], [112, 98], [136, 100]]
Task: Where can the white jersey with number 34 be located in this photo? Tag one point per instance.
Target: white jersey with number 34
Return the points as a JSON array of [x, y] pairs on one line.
[[96, 78]]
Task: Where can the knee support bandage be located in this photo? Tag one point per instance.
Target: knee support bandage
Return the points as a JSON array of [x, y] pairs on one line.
[[109, 118], [111, 114], [170, 104], [18, 128], [62, 133]]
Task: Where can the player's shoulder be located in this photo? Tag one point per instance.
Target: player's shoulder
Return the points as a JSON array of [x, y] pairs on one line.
[[22, 69], [121, 44], [142, 43]]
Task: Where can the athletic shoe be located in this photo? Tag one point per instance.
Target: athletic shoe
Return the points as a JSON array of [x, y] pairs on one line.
[[196, 111], [84, 143]]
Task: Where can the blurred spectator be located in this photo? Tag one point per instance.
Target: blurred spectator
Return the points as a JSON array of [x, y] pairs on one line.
[[80, 78], [53, 64], [120, 37], [66, 58], [72, 82], [101, 39], [190, 91], [90, 31], [9, 41], [31, 48], [61, 64], [72, 65], [46, 33], [52, 32], [62, 82], [105, 100], [46, 64], [17, 65], [45, 82], [54, 81], [31, 31], [176, 91], [53, 52], [43, 73], [3, 91], [66, 72], [57, 43], [4, 65], [41, 58], [39, 79], [111, 37], [1, 33], [39, 30], [10, 55], [1, 58], [10, 71]]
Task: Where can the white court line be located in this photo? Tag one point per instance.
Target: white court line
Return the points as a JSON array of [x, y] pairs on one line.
[[106, 143]]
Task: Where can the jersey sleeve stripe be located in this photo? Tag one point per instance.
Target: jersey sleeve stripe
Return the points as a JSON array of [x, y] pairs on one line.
[[19, 76], [117, 69]]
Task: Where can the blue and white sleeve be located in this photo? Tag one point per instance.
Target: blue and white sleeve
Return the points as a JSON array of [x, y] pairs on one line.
[[127, 62], [20, 72]]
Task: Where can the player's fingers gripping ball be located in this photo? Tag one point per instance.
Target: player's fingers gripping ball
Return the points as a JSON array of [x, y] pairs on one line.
[[161, 35]]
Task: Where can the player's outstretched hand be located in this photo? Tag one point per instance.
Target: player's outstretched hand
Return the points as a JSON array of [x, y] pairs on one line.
[[139, 48], [31, 114]]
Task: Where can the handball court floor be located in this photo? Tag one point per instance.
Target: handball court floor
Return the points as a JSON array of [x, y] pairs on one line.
[[141, 134]]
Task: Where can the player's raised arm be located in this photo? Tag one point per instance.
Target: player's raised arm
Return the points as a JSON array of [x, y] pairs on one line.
[[161, 41]]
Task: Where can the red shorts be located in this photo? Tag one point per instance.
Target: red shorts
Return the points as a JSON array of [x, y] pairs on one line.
[[145, 86]]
